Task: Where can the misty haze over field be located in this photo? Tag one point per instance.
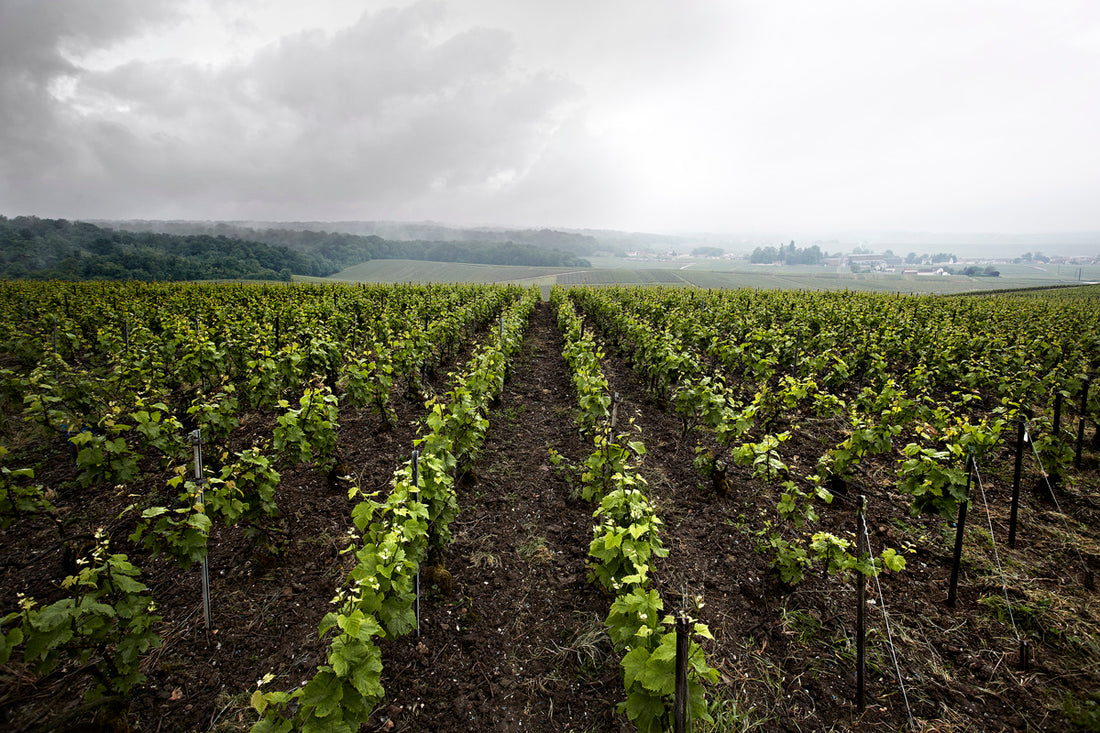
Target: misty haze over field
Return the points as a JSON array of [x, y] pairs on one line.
[[767, 121]]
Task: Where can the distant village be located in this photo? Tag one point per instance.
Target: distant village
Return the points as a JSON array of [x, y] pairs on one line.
[[861, 259]]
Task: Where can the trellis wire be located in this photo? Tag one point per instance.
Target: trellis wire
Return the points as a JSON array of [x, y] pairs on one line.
[[889, 633], [996, 555], [1057, 506]]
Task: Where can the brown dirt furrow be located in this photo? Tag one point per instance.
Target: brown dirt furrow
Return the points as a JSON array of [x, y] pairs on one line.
[[518, 643]]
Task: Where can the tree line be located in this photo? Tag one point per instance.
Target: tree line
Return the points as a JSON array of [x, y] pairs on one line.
[[787, 255], [31, 247]]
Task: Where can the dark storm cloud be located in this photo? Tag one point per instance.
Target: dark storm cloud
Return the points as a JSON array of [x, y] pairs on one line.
[[38, 137], [389, 111], [37, 36]]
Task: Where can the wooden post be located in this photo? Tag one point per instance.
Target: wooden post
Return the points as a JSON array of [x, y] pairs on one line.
[[1081, 423], [952, 591], [861, 604], [1057, 413], [683, 645], [1021, 438]]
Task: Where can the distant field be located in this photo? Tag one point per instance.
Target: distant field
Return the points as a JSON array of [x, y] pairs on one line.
[[1058, 273], [1083, 291], [784, 279], [399, 271], [597, 276], [710, 274], [1061, 273]]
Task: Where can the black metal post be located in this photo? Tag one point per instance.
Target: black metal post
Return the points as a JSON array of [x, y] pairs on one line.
[[1081, 423], [861, 605], [1021, 438], [952, 591], [683, 643], [196, 442], [416, 489]]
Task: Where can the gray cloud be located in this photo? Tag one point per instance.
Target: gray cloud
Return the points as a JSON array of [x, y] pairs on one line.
[[37, 38], [386, 113], [40, 144], [965, 114]]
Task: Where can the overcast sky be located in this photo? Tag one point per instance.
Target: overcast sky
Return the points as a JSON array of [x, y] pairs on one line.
[[704, 115]]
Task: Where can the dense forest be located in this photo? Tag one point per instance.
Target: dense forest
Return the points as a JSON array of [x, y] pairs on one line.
[[290, 233], [31, 247], [59, 249]]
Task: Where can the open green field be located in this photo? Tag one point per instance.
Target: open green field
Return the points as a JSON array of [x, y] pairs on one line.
[[796, 278], [404, 271], [709, 273]]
